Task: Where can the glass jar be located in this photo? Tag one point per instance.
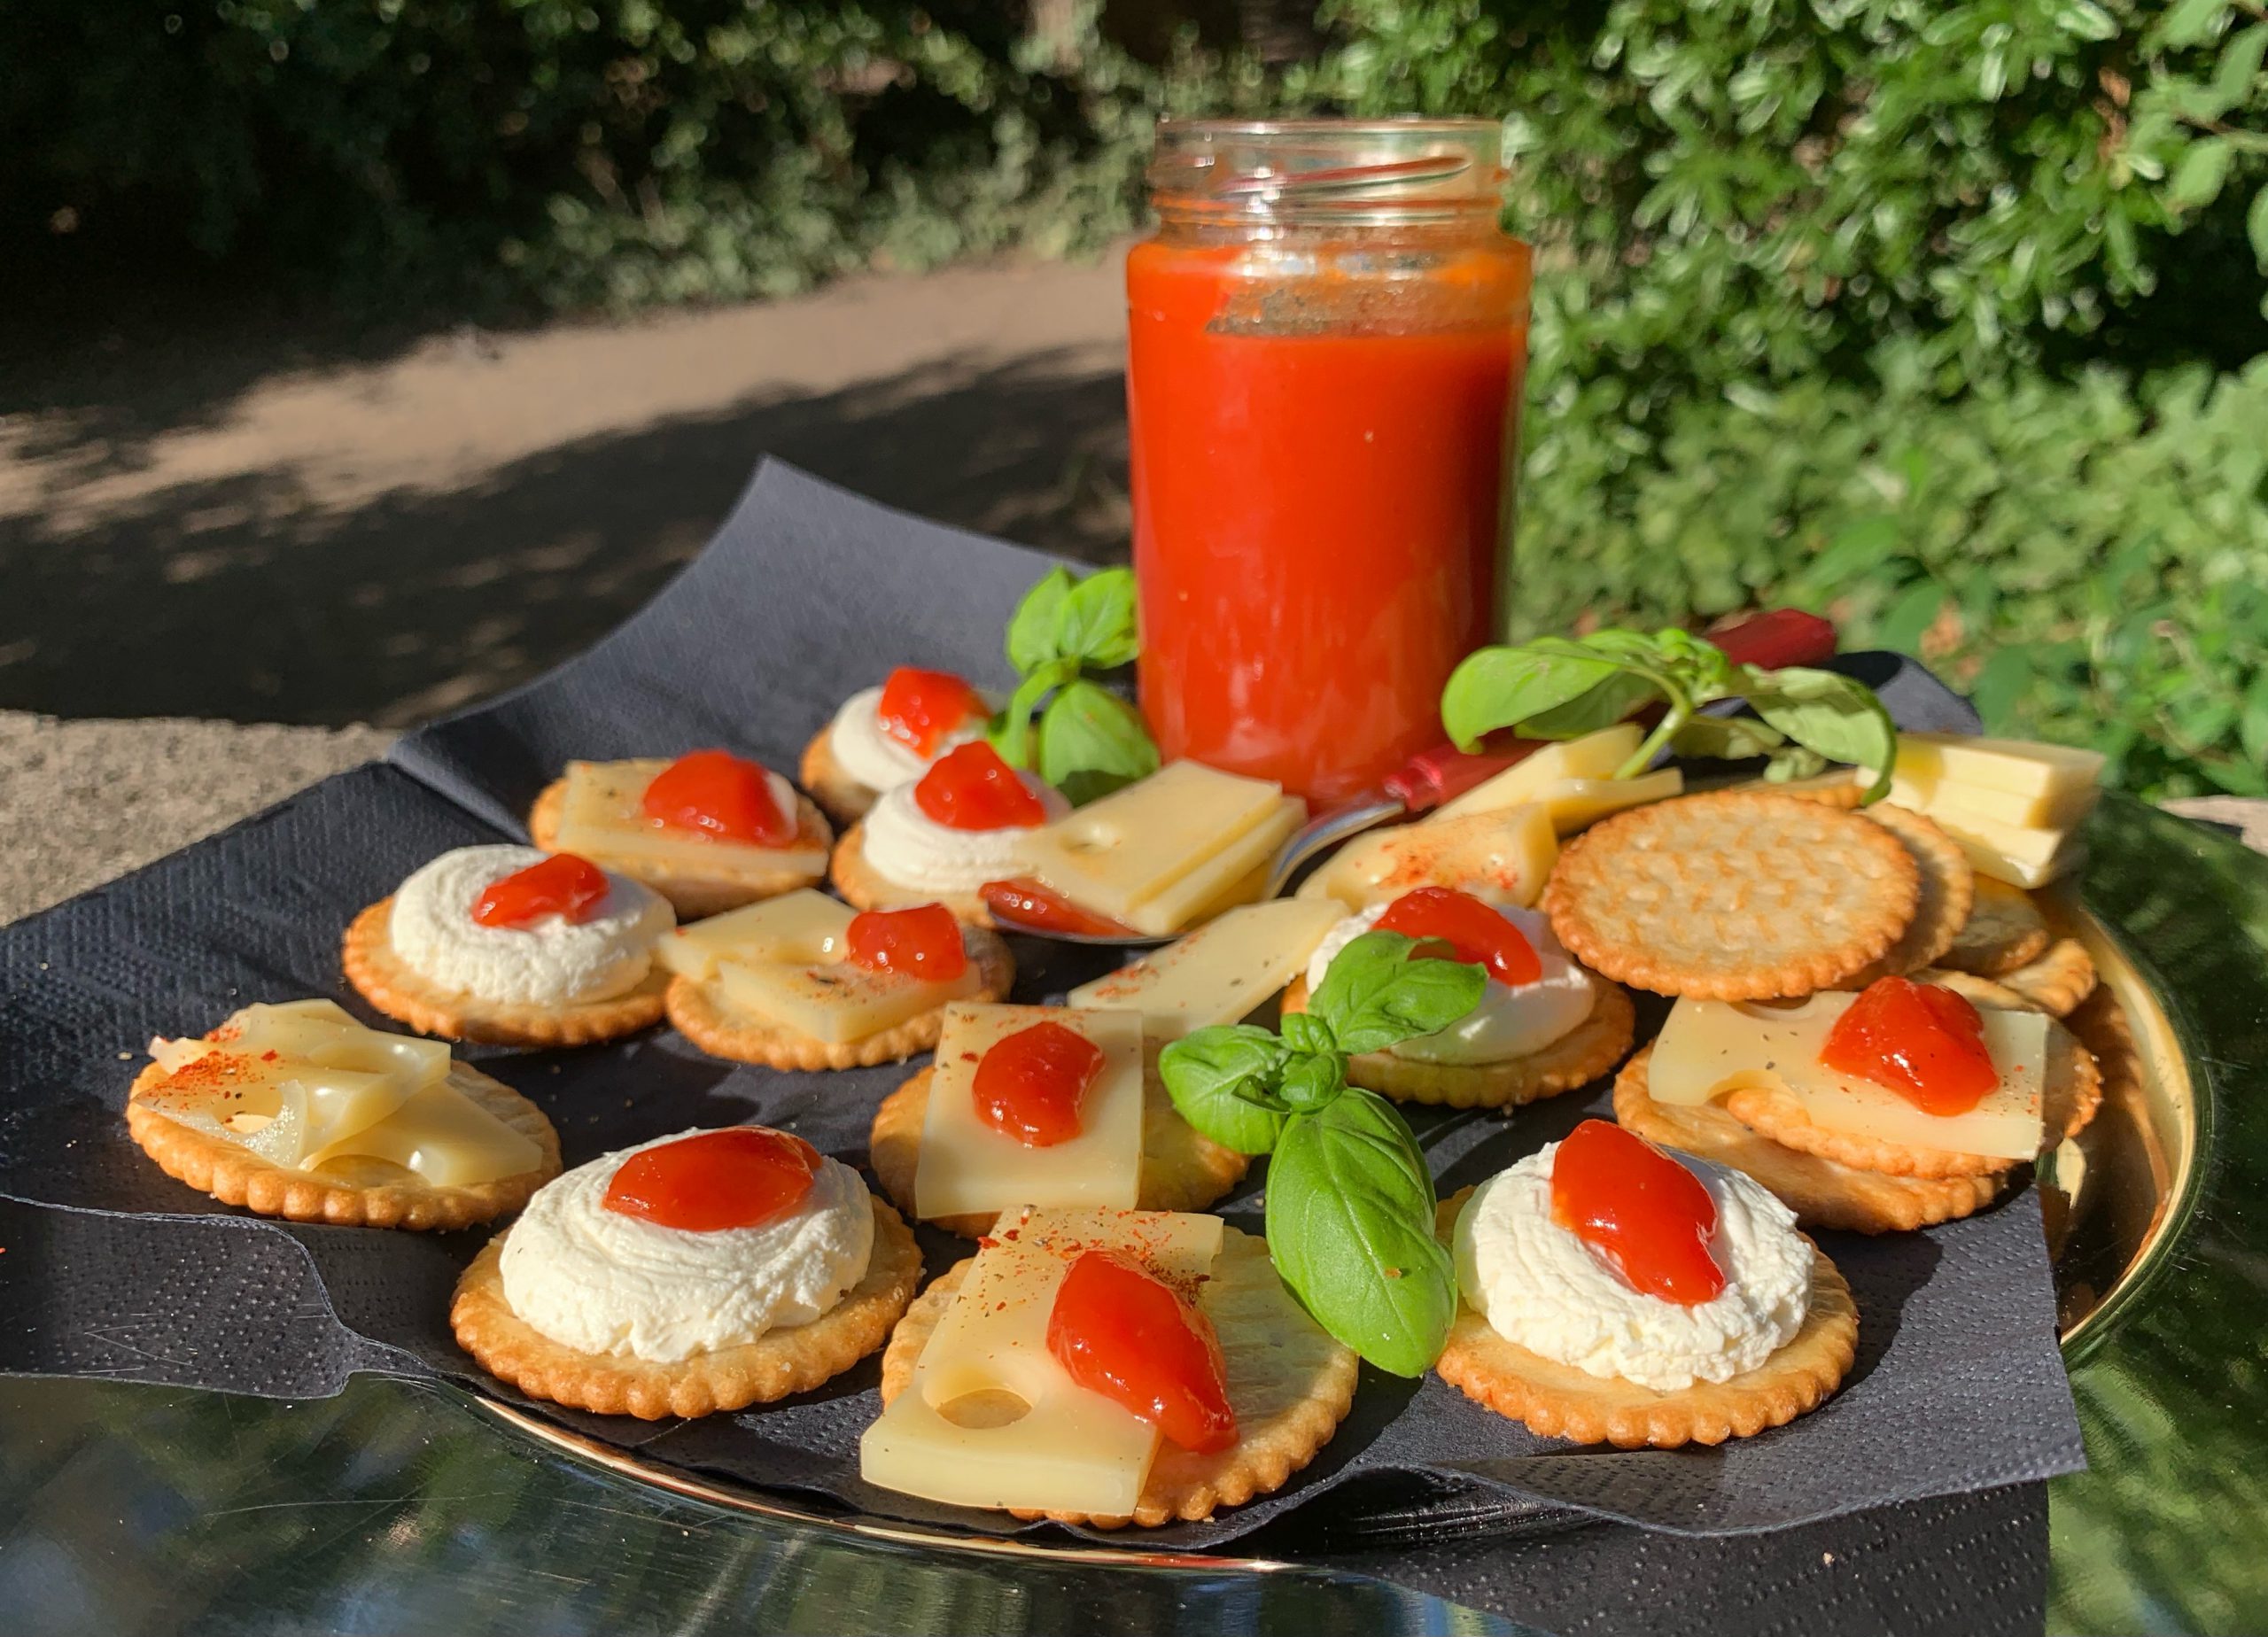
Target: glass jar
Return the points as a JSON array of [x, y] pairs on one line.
[[1328, 337]]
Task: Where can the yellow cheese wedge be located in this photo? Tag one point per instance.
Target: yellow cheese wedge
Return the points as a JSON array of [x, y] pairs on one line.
[[966, 1167], [442, 1136], [2062, 811], [1127, 850], [1503, 855], [989, 1418], [601, 814], [804, 927], [1219, 972], [1708, 1048], [2017, 766], [1212, 884], [2022, 858], [1577, 804], [1594, 756]]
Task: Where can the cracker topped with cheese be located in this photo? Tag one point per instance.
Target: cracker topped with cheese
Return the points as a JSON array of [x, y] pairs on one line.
[[803, 981]]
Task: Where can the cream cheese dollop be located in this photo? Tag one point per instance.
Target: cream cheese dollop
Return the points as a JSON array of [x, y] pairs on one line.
[[600, 1281], [551, 962], [866, 752], [1509, 1023], [910, 850], [1541, 1288]]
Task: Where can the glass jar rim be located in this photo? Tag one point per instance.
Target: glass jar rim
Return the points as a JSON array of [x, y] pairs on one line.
[[1404, 167]]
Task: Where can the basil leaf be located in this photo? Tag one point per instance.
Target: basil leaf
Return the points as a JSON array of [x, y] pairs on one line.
[[1305, 1033], [1214, 1075], [1311, 1079], [1010, 732], [1035, 629], [1826, 711], [1611, 702], [1726, 739], [1375, 995], [1097, 625], [1350, 1226], [1495, 687], [1092, 743], [1793, 762]]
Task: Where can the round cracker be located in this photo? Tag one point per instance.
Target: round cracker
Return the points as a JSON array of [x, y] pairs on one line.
[[2102, 1025], [725, 884], [842, 798], [1289, 1383], [1822, 1193], [2056, 980], [1833, 788], [1948, 889], [775, 1364], [2005, 930], [1735, 896], [1592, 1048], [2072, 1090], [388, 982], [235, 1176], [1560, 1400], [1977, 991], [702, 1013], [1182, 1169], [863, 887]]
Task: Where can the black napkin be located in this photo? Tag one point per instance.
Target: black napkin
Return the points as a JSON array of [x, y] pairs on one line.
[[807, 594]]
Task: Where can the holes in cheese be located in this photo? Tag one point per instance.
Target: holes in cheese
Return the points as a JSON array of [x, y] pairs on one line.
[[1594, 756], [1219, 972], [602, 815], [1147, 847], [785, 960], [969, 1167], [990, 1418], [1708, 1048], [1502, 855]]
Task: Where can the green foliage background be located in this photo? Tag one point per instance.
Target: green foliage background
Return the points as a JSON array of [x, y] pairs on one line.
[[1948, 315]]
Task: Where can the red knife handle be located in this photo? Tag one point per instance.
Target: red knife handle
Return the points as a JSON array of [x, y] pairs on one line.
[[1774, 638]]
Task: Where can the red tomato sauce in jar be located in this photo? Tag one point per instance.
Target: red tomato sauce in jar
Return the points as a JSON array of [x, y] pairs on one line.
[[1322, 410]]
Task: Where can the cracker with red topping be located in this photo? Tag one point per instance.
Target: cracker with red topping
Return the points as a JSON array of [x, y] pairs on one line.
[[705, 882], [779, 1362], [1558, 1401], [1735, 895], [1289, 1383], [842, 798]]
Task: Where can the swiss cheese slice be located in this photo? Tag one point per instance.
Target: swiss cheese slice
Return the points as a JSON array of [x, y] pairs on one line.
[[1136, 846], [1219, 972], [1594, 756], [965, 1167], [783, 960], [442, 1136], [1213, 884], [602, 815], [989, 1418], [1708, 1048], [1503, 855]]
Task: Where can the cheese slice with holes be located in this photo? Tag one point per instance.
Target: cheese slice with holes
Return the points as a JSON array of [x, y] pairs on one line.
[[966, 1167], [989, 1418], [1593, 756], [785, 960], [1708, 1048], [602, 815], [1503, 855], [1135, 847], [1219, 972]]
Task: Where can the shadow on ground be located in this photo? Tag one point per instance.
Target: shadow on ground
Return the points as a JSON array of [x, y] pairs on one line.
[[242, 598]]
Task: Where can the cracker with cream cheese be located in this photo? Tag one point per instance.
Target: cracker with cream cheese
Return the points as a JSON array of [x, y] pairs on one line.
[[704, 883], [1591, 1049], [863, 887], [388, 982], [349, 1193], [1290, 1383], [840, 796], [793, 1359], [1558, 1401]]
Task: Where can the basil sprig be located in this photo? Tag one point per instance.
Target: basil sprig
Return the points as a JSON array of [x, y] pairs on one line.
[[1560, 687], [1087, 741], [1350, 1201]]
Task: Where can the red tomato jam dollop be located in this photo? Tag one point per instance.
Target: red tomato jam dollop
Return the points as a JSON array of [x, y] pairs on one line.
[[1029, 1085], [923, 942], [727, 797], [1024, 902], [1119, 1330], [1648, 1215], [743, 1176], [920, 708], [1924, 1042], [565, 885], [1475, 934], [972, 788]]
